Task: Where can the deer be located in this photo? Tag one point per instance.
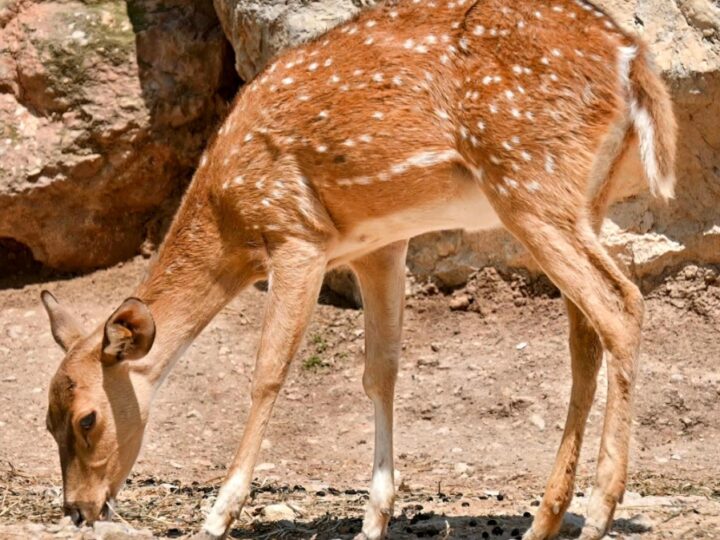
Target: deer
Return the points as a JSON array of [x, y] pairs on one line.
[[414, 116]]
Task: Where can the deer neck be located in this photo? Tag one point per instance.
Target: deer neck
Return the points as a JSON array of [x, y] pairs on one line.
[[191, 279]]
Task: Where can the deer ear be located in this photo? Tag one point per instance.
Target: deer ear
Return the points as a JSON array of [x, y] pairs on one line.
[[129, 332], [64, 327]]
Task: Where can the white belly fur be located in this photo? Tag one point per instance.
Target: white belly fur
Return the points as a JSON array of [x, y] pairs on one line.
[[471, 211]]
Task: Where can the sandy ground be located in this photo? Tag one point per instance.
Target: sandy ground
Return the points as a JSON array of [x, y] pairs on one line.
[[480, 403]]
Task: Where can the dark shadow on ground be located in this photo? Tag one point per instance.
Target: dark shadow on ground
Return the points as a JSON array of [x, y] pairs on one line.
[[423, 525], [19, 268], [403, 527]]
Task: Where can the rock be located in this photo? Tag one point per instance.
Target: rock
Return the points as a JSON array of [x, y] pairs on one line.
[[110, 530], [639, 523], [537, 421], [572, 525], [278, 512], [259, 29], [521, 402], [341, 281], [104, 109], [463, 468], [701, 14], [15, 331], [460, 302]]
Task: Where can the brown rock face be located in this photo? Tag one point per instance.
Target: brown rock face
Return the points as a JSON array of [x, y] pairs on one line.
[[104, 109]]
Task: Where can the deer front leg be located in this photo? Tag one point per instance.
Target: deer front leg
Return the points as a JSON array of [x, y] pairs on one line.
[[382, 281], [296, 276]]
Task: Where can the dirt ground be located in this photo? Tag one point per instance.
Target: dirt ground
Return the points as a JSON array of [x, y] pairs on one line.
[[480, 403]]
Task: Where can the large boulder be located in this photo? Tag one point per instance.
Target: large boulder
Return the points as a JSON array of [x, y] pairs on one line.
[[104, 109], [259, 29], [647, 236]]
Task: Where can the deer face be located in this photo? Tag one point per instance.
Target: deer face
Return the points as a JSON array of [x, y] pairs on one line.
[[97, 407]]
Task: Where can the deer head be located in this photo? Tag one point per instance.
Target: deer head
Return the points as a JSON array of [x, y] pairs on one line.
[[97, 406]]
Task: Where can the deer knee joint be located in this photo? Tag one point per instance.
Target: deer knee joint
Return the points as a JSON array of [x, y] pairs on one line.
[[379, 382], [266, 388]]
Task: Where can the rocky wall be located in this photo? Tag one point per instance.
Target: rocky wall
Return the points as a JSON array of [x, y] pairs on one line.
[[104, 108]]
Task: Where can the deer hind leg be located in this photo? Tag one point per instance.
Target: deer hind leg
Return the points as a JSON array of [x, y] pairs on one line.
[[382, 281], [571, 255], [586, 356], [586, 352], [296, 276]]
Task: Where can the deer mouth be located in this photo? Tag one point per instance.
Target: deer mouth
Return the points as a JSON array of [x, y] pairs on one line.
[[80, 516], [107, 511]]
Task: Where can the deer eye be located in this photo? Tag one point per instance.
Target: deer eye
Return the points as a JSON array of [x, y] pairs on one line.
[[87, 421]]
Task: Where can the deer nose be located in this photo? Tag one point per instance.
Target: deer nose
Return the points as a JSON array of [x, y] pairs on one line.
[[75, 514]]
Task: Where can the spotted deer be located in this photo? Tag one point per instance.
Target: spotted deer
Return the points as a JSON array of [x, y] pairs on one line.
[[416, 116]]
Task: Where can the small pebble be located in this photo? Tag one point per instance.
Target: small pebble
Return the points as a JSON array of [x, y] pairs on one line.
[[460, 302], [278, 512]]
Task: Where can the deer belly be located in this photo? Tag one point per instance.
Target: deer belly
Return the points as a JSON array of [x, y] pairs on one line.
[[470, 210]]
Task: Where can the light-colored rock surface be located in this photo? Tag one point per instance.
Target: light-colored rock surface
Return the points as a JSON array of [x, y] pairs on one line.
[[259, 29], [644, 234], [278, 512], [104, 108], [649, 236]]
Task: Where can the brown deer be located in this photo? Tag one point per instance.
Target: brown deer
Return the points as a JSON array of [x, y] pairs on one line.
[[415, 116]]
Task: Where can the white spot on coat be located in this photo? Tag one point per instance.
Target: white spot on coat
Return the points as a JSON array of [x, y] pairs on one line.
[[549, 163]]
